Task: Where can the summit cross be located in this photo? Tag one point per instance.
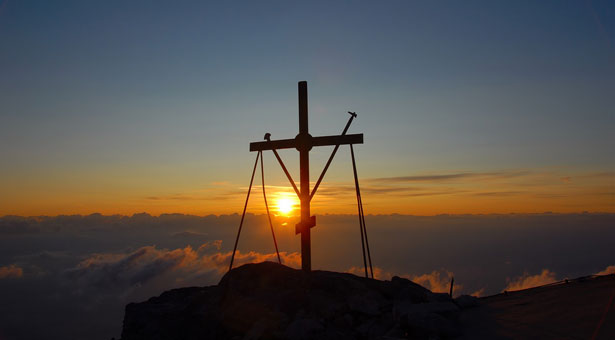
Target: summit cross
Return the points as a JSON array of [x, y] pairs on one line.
[[304, 142]]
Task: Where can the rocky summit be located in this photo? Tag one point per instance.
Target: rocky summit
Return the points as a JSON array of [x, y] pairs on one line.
[[271, 301]]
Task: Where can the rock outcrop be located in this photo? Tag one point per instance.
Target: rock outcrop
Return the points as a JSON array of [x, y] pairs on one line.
[[272, 301]]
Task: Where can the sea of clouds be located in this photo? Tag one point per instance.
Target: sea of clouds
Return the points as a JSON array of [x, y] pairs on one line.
[[70, 277]]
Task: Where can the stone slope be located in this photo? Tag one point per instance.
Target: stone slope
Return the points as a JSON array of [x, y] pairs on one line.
[[272, 301], [581, 308]]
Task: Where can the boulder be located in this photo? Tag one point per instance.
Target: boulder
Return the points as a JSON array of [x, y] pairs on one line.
[[466, 301], [272, 301]]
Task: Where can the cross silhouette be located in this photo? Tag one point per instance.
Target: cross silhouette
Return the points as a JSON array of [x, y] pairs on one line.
[[304, 142]]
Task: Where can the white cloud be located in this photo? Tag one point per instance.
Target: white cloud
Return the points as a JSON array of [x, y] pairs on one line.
[[379, 273], [608, 270], [529, 281], [479, 293], [11, 272], [437, 281], [151, 269]]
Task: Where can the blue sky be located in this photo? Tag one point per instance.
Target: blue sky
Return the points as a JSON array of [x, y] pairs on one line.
[[169, 94]]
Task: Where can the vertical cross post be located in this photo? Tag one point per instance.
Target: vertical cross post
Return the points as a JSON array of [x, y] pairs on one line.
[[304, 165]]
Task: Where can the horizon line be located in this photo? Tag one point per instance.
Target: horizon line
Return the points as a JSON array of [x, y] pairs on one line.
[[326, 214]]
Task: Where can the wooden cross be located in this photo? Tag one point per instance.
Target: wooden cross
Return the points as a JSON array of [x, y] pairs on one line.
[[304, 142]]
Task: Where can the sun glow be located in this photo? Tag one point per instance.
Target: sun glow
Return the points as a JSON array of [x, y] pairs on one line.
[[285, 204]]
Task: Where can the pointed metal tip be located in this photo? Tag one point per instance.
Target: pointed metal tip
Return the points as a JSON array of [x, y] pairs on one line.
[[354, 114]]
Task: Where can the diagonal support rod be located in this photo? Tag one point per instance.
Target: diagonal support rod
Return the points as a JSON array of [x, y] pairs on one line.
[[290, 179], [353, 115], [243, 215], [275, 243], [361, 217]]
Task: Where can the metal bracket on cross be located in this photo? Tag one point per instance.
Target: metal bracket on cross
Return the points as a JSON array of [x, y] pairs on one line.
[[299, 227]]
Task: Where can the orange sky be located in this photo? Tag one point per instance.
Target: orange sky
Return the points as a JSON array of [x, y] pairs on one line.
[[520, 191]]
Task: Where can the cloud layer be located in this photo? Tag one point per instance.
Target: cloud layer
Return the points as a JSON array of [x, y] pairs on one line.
[[154, 270], [78, 272]]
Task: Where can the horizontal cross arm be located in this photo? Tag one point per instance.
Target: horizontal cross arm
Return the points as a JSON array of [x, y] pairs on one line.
[[312, 141], [274, 144], [338, 140]]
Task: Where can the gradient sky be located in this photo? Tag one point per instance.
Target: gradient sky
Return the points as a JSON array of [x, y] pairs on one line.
[[466, 107]]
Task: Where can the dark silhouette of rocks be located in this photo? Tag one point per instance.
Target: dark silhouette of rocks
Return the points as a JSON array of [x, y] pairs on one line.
[[272, 301], [581, 308]]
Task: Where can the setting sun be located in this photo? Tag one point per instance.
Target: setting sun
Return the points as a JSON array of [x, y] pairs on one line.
[[285, 204]]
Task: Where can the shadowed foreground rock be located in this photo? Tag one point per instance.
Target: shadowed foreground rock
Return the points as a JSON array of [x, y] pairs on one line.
[[272, 301]]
